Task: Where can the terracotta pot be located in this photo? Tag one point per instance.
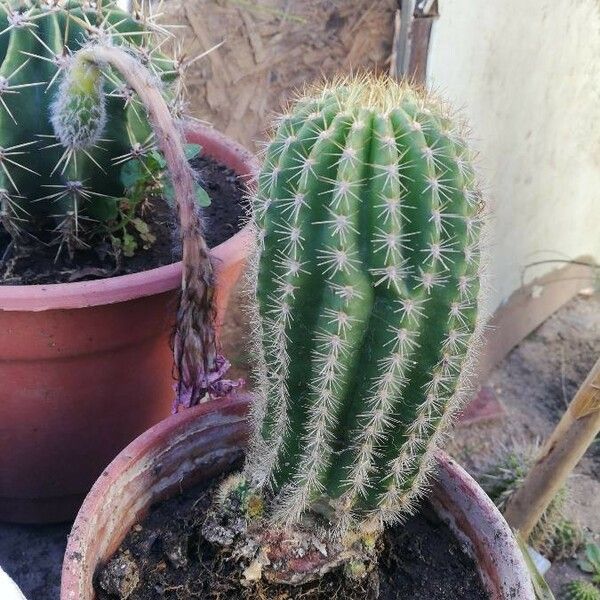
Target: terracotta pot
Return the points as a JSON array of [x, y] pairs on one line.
[[86, 367], [202, 442]]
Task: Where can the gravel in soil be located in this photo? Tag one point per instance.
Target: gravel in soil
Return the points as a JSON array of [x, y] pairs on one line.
[[166, 558], [222, 219]]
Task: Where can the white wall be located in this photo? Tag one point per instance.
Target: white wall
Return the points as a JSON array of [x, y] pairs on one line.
[[526, 73]]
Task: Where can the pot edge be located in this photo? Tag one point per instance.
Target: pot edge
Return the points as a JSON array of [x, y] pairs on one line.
[[507, 572], [85, 294]]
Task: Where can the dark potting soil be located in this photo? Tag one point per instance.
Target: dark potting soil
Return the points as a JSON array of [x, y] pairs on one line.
[[166, 558], [222, 219]]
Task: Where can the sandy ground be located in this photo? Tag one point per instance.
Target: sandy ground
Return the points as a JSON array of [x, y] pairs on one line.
[[534, 383]]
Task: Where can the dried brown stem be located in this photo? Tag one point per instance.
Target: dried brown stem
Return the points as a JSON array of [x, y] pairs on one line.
[[195, 343]]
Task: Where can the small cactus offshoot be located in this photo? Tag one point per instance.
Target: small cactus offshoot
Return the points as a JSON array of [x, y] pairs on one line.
[[581, 590], [554, 536], [67, 132], [368, 215]]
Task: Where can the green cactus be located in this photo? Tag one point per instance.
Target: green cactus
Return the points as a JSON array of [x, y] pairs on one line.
[[554, 536], [61, 179], [581, 590], [368, 278]]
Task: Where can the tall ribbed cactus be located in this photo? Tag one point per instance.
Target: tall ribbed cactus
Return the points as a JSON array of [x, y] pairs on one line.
[[367, 283], [51, 189]]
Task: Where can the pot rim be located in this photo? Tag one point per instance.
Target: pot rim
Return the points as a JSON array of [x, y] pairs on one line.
[[84, 294], [458, 499]]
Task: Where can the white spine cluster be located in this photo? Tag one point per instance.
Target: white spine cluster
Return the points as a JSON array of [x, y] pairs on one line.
[[338, 263], [79, 118], [448, 386]]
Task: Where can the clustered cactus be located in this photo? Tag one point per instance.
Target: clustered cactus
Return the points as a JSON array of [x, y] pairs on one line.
[[584, 589], [61, 179], [555, 536], [369, 216]]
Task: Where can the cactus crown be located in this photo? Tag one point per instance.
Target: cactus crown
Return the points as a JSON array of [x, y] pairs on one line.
[[69, 133], [367, 282]]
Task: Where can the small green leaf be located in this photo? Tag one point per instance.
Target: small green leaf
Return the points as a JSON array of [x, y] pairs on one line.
[[585, 566], [131, 173], [159, 158], [591, 563], [592, 552], [192, 150], [129, 245], [144, 231], [140, 225], [202, 198], [104, 209]]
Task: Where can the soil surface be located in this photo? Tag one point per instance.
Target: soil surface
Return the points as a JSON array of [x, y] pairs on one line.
[[222, 219], [166, 558]]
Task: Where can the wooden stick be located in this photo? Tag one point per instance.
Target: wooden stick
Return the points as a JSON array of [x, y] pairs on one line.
[[559, 456]]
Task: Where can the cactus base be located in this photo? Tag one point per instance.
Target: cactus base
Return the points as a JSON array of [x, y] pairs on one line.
[[293, 555]]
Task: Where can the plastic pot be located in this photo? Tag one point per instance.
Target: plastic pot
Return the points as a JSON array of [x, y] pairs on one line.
[[86, 367]]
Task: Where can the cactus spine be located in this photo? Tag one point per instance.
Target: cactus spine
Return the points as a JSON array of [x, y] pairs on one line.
[[60, 179], [581, 590], [369, 217]]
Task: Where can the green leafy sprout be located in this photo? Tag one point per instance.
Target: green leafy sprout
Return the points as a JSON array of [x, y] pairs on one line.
[[591, 563], [145, 179]]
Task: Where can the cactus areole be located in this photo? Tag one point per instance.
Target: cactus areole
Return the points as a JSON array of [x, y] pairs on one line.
[[61, 179], [367, 284]]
